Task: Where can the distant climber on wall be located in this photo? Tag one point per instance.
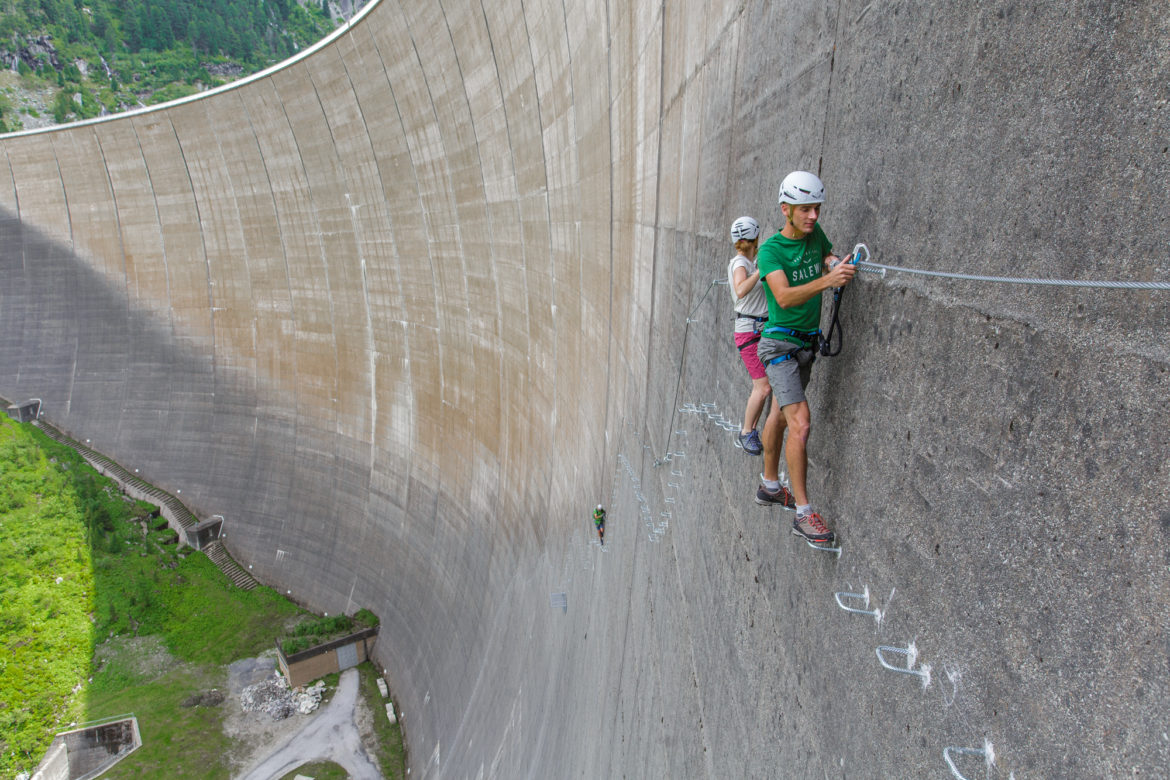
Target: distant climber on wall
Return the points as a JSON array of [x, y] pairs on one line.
[[751, 311], [796, 265], [599, 522]]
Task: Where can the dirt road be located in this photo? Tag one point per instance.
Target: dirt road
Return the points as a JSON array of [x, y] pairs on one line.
[[331, 735]]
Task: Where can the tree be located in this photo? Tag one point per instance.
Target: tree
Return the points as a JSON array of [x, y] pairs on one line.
[[63, 105], [132, 30], [161, 36]]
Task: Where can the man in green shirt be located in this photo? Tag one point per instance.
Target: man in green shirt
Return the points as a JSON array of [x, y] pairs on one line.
[[797, 265]]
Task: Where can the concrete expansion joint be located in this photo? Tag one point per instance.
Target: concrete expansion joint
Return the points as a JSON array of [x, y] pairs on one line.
[[711, 53]]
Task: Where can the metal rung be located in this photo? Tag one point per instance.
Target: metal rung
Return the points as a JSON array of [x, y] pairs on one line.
[[864, 597], [986, 752], [836, 549], [911, 654]]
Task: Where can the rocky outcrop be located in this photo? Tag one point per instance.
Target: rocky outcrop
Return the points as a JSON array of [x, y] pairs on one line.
[[33, 52]]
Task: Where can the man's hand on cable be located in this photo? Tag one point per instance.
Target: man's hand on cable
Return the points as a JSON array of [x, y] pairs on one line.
[[840, 274]]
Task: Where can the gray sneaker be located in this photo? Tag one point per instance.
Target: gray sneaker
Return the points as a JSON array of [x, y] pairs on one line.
[[812, 528], [751, 443], [782, 497]]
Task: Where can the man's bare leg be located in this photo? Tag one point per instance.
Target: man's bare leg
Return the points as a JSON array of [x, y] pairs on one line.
[[796, 419], [772, 440]]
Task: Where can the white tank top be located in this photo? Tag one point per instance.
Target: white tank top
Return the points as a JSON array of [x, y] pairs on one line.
[[754, 304]]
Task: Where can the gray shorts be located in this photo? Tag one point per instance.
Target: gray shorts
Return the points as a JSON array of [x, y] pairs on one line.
[[788, 378]]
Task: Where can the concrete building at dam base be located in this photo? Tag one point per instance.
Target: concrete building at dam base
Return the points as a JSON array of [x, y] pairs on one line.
[[405, 309]]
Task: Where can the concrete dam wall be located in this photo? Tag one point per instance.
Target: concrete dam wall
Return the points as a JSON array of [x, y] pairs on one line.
[[403, 310]]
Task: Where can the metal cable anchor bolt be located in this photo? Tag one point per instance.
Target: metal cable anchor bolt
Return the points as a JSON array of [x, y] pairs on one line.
[[987, 752], [911, 654]]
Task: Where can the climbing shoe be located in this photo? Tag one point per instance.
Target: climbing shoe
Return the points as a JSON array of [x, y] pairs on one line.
[[781, 497], [751, 443], [813, 528]]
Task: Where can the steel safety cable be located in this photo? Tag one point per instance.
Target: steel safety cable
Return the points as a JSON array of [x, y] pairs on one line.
[[1092, 284], [683, 359]]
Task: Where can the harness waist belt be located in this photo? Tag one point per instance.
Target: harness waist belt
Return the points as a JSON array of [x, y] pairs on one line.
[[803, 335]]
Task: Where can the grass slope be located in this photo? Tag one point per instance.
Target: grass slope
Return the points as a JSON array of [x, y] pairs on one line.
[[100, 617], [46, 597]]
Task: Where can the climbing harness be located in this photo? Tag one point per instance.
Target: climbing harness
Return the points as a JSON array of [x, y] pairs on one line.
[[758, 322], [806, 337], [808, 341]]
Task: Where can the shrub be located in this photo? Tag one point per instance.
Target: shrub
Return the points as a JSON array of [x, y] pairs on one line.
[[317, 631], [366, 618]]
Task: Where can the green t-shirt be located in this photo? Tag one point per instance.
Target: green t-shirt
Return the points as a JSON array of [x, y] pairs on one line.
[[802, 261]]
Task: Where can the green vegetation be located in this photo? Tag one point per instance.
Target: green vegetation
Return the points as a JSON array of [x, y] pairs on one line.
[[391, 750], [116, 54], [320, 770], [99, 618], [365, 617], [46, 598], [101, 614], [316, 631]]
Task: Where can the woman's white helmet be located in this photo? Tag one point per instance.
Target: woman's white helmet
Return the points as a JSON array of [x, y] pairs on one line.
[[800, 188], [745, 229]]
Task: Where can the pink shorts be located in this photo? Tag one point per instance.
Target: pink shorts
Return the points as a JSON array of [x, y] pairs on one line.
[[748, 354]]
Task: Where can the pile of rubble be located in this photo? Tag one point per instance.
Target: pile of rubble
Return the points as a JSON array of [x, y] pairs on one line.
[[309, 699], [273, 696]]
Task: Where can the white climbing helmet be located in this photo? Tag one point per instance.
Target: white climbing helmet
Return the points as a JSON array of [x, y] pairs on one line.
[[801, 187], [599, 506], [745, 229]]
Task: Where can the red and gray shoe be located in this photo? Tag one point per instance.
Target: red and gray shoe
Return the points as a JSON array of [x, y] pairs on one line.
[[812, 528], [781, 498]]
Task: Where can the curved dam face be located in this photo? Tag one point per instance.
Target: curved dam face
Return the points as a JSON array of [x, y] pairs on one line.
[[405, 309]]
